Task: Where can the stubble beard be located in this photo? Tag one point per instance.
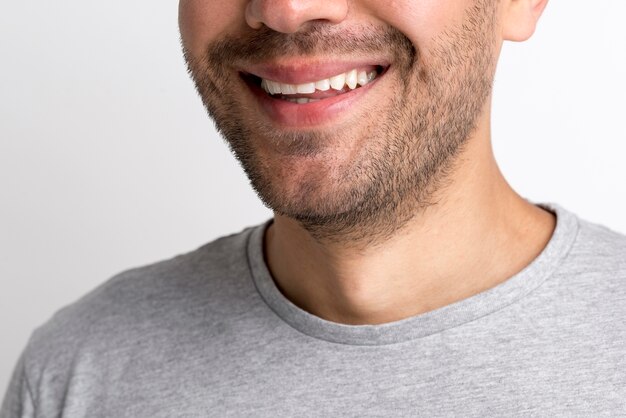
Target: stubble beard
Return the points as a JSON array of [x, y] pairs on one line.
[[406, 158]]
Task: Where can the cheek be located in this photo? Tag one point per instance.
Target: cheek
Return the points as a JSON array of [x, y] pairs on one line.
[[203, 21], [421, 21]]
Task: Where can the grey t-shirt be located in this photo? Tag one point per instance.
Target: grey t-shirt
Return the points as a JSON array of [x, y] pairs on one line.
[[208, 334]]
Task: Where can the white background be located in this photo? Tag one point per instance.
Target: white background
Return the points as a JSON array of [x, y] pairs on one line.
[[107, 160]]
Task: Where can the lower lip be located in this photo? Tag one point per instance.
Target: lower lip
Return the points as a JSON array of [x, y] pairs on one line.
[[293, 115]]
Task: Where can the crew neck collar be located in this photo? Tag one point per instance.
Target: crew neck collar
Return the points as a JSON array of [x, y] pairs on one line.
[[427, 323]]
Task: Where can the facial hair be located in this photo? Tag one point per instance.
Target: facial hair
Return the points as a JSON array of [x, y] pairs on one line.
[[404, 157]]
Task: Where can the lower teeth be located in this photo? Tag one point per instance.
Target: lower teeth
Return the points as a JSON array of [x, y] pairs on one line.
[[302, 100]]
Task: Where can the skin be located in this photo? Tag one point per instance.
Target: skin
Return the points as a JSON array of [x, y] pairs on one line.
[[461, 232]]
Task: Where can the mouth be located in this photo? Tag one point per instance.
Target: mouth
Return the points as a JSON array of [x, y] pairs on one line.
[[310, 96]]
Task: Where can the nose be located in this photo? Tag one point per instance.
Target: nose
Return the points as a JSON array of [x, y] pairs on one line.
[[289, 16]]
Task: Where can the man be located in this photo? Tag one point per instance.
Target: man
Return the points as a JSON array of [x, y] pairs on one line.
[[400, 276]]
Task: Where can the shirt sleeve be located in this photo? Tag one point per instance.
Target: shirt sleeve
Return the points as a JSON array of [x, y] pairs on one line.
[[18, 400]]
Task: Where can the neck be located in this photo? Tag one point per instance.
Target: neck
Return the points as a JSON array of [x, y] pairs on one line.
[[479, 234]]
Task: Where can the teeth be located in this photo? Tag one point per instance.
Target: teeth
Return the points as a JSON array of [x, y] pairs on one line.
[[271, 86], [288, 88], [306, 88], [337, 82], [352, 79], [323, 85], [274, 87], [302, 100], [265, 85], [362, 78]]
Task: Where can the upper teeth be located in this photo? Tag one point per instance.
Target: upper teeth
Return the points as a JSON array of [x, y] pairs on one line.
[[352, 79]]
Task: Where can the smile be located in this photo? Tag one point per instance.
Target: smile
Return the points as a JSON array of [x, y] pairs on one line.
[[335, 85], [307, 96]]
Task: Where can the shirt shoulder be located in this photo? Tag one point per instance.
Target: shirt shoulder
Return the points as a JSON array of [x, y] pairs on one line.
[[591, 280], [151, 305], [213, 267], [599, 249]]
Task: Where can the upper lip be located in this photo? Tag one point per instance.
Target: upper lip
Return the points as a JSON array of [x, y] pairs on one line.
[[307, 71]]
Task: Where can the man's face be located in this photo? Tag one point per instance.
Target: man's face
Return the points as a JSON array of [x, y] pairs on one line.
[[361, 155]]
